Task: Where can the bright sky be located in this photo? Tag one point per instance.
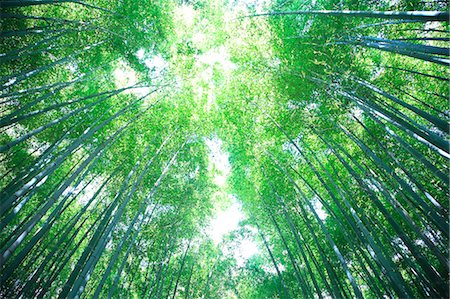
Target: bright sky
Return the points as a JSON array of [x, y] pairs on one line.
[[225, 221], [218, 160], [125, 76], [217, 56], [185, 14], [154, 62], [257, 5], [228, 219], [228, 215], [318, 207]]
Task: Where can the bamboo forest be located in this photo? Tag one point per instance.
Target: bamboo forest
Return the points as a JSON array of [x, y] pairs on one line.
[[224, 149]]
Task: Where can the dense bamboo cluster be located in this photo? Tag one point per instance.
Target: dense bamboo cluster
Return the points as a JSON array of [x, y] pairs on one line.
[[338, 140]]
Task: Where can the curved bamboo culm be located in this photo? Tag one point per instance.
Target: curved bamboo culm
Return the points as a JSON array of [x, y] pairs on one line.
[[337, 127], [419, 16]]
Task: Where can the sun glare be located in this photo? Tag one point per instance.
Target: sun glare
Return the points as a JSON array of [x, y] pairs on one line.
[[218, 161], [228, 219], [125, 76], [225, 222]]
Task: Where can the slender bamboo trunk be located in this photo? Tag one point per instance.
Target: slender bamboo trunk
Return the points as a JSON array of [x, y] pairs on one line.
[[181, 270], [70, 148], [18, 52], [99, 232], [329, 239], [389, 47], [75, 221], [379, 205], [79, 284], [401, 45], [417, 73], [28, 173], [295, 232], [303, 285], [28, 227], [396, 277], [439, 123], [130, 232], [419, 16], [14, 79], [274, 262], [19, 114], [191, 272]]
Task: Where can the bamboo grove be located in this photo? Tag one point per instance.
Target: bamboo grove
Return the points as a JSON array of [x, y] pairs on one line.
[[334, 114]]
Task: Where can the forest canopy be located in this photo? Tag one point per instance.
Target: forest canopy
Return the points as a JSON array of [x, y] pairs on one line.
[[224, 149]]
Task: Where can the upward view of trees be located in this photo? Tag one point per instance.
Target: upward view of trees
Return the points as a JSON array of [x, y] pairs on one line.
[[334, 116]]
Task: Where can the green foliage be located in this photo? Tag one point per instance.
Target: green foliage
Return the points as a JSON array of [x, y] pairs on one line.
[[336, 129]]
